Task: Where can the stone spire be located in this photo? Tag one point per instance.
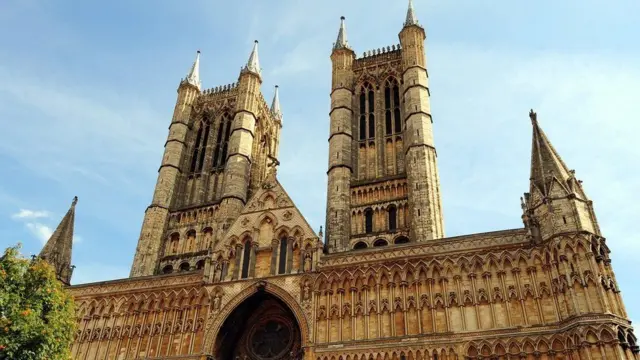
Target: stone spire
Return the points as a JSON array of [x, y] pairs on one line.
[[57, 250], [411, 16], [253, 64], [275, 105], [194, 74], [546, 164], [556, 202], [341, 42]]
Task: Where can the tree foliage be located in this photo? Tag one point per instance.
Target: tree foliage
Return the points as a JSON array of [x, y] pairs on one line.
[[37, 318]]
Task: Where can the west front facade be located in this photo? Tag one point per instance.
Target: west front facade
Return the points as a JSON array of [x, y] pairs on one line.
[[226, 266]]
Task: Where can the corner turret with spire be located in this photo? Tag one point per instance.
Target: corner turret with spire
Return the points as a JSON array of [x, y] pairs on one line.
[[57, 250], [556, 202]]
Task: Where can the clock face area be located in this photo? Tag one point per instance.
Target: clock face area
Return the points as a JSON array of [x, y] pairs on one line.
[[261, 328]]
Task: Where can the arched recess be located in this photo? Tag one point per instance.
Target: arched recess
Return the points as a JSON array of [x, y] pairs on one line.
[[401, 240], [360, 245], [257, 288]]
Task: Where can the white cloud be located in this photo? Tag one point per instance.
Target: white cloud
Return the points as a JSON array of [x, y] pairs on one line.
[[43, 232], [40, 231], [30, 214]]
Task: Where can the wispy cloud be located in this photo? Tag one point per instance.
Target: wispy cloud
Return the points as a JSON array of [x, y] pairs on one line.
[[33, 221], [40, 231], [30, 214]]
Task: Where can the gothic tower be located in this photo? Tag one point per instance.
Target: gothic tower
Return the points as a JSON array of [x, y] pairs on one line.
[[383, 185], [220, 143]]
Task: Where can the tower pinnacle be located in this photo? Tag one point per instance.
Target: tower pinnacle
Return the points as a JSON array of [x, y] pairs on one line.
[[57, 250], [341, 42], [546, 164], [253, 64], [194, 74], [275, 105], [411, 16]]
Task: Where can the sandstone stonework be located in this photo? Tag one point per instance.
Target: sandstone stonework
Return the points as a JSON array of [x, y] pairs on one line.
[[228, 268]]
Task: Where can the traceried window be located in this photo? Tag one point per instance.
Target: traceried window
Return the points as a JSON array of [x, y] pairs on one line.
[[222, 142], [367, 118], [392, 121], [200, 146]]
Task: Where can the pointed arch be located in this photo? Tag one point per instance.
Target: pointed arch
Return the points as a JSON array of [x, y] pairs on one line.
[[259, 286]]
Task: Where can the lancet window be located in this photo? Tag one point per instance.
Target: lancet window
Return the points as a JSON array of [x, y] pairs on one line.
[[200, 145], [393, 216], [392, 121], [222, 142], [282, 264], [246, 259], [368, 221], [367, 118]]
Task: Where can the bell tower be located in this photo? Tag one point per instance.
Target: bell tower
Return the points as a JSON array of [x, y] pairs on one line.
[[383, 185], [220, 143]]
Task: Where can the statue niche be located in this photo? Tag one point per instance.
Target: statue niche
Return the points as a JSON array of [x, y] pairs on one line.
[[261, 328]]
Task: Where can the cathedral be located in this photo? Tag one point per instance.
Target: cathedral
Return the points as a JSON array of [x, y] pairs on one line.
[[227, 268]]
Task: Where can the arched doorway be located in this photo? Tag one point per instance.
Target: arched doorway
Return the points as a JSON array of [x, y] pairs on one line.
[[261, 328]]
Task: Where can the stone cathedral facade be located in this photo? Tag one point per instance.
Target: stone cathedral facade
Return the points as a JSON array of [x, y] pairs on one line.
[[227, 268]]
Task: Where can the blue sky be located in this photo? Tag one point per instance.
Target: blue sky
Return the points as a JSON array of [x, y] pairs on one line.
[[87, 91]]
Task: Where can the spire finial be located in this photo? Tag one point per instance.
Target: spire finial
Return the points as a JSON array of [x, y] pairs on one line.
[[411, 16], [193, 77], [253, 64], [75, 201], [275, 105], [341, 42], [533, 116]]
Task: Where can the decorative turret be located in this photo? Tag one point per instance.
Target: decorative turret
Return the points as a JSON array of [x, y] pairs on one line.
[[341, 42], [411, 16], [157, 214], [556, 201], [253, 65], [340, 139], [57, 250], [275, 105], [193, 77], [237, 171], [425, 205]]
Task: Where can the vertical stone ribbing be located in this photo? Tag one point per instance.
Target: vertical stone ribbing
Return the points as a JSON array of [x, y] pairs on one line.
[[426, 220], [238, 167], [156, 216], [340, 160]]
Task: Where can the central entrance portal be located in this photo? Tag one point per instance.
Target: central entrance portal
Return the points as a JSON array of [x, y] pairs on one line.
[[261, 328]]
